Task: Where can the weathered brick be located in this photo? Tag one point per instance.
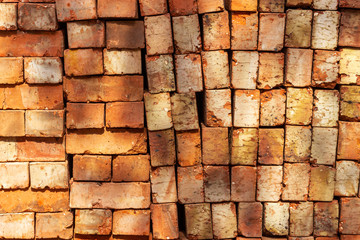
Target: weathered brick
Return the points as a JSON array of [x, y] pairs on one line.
[[349, 66], [239, 5], [86, 34], [243, 184], [157, 35], [198, 221], [269, 183], [216, 32], [322, 183], [43, 70], [250, 219], [117, 9], [301, 218], [12, 69], [271, 5], [93, 221], [188, 69], [186, 30], [49, 175], [14, 175], [326, 108], [162, 147], [298, 28], [326, 4], [244, 69], [34, 16], [184, 111], [54, 225], [349, 237], [224, 220], [271, 70], [349, 3], [276, 218], [84, 115], [125, 34], [298, 67], [164, 219], [206, 6], [349, 34], [244, 146], [271, 146], [122, 62], [271, 31], [218, 108], [272, 107], [298, 3], [299, 106], [82, 62], [349, 209], [44, 123], [188, 146], [160, 73], [297, 143], [131, 222], [347, 178], [13, 123], [246, 108], [8, 19], [17, 225], [135, 168], [296, 181], [350, 103], [70, 10], [325, 30], [163, 185], [190, 182], [92, 168], [217, 183], [244, 31], [158, 111], [215, 66], [348, 142], [326, 69], [182, 7], [326, 218], [215, 151], [153, 7], [125, 115], [323, 148]]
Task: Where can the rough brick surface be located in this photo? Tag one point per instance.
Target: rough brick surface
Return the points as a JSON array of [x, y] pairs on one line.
[[134, 168], [54, 225], [12, 69], [86, 34]]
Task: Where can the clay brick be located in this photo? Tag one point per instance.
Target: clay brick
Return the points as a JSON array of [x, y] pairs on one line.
[[328, 238], [116, 141], [110, 195], [125, 115], [188, 146], [158, 35], [324, 142], [158, 111], [182, 7], [297, 143], [215, 150], [14, 175], [298, 67], [244, 146], [8, 19], [54, 225], [347, 178], [17, 225], [84, 115], [125, 34], [299, 106], [184, 111], [163, 185], [349, 66], [122, 62], [326, 4], [153, 7], [349, 223], [272, 107], [244, 69], [250, 219], [218, 108], [162, 148], [298, 3], [13, 123], [243, 184], [93, 221], [34, 16], [135, 168], [243, 6], [131, 222], [271, 146], [215, 66], [104, 89], [276, 218], [350, 103], [92, 168], [246, 108], [198, 221], [349, 137], [82, 62], [349, 237], [326, 108], [325, 30], [269, 183], [49, 175], [86, 34], [224, 220], [271, 31], [296, 182], [43, 70], [44, 123], [70, 10], [186, 30], [349, 34], [326, 218], [117, 9], [244, 31], [271, 70], [216, 32], [298, 28], [31, 44], [11, 69], [322, 183], [301, 219], [189, 73], [271, 5], [190, 181], [217, 183], [164, 219], [325, 69], [160, 73], [349, 4], [206, 6]]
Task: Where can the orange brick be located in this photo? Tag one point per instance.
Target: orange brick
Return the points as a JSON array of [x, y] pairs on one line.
[[12, 69], [14, 175], [218, 108], [271, 146], [188, 69], [269, 183], [131, 222], [299, 106], [163, 185], [125, 115], [186, 30], [125, 34], [244, 69], [301, 218], [44, 123], [349, 137], [349, 4], [298, 67], [84, 115], [198, 221], [91, 168], [246, 108], [224, 220], [271, 5], [272, 107], [326, 69], [242, 6], [86, 34], [158, 35], [49, 175], [135, 168], [162, 147], [164, 219], [34, 16], [82, 62], [244, 146], [296, 182], [182, 7], [271, 70], [322, 183], [39, 70], [217, 183], [17, 225], [271, 31], [298, 3], [297, 143], [153, 7], [184, 111], [190, 183], [158, 111], [243, 184], [160, 73], [69, 10], [206, 6], [93, 221], [349, 209], [215, 66], [244, 31], [188, 146], [54, 225], [215, 151], [326, 218], [13, 123], [8, 19], [117, 9], [349, 34], [298, 28], [216, 32], [250, 219]]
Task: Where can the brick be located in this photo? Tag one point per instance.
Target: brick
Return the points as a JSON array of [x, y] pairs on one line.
[[17, 225], [298, 3], [322, 183], [93, 221], [349, 4], [206, 6], [272, 107], [244, 146], [163, 185], [244, 6], [297, 143], [349, 34], [269, 183], [31, 44], [186, 30], [299, 106], [125, 34], [54, 225], [13, 123], [92, 168], [135, 168], [296, 182], [246, 108], [216, 32], [298, 28], [325, 69], [349, 208], [243, 183], [349, 237], [164, 221], [349, 65], [158, 111], [326, 218], [188, 69], [116, 141], [301, 218], [276, 218], [160, 73], [125, 115], [250, 219], [110, 195], [298, 67], [271, 146], [271, 5], [217, 183], [350, 103], [271, 70], [218, 108], [162, 147], [84, 115], [86, 34], [70, 10], [49, 175], [43, 70], [179, 8], [82, 62], [215, 151], [244, 31], [244, 69], [215, 66], [8, 20], [190, 182], [122, 62], [117, 9], [14, 175], [157, 35], [349, 137], [347, 178], [188, 147], [326, 108], [131, 222], [184, 111], [224, 220], [12, 69], [153, 7], [271, 31], [44, 123], [198, 221], [324, 142], [104, 89], [325, 30], [34, 16], [326, 4]]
